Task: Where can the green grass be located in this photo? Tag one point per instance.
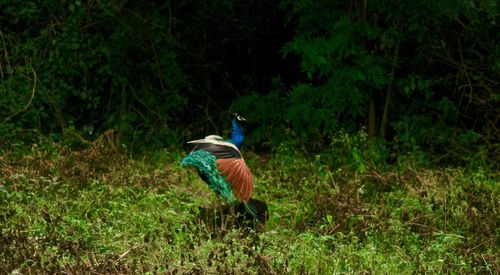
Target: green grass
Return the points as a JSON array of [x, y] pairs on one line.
[[97, 210]]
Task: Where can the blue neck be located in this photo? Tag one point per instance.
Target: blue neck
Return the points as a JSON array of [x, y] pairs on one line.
[[237, 135]]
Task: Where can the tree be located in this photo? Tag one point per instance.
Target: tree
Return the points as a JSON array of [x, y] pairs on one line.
[[406, 66]]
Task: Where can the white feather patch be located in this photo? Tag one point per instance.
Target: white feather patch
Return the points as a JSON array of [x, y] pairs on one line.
[[215, 139]]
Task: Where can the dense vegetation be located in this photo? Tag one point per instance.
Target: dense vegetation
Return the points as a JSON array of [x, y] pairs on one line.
[[373, 135], [96, 210]]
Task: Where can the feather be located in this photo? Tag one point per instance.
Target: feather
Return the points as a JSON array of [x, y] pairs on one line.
[[237, 173], [204, 162], [220, 150], [213, 139]]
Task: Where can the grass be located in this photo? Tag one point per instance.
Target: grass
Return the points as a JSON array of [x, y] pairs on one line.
[[97, 210]]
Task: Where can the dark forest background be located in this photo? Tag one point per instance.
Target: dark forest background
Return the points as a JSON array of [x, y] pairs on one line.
[[418, 77]]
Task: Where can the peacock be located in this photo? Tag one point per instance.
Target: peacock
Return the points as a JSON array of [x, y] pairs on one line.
[[220, 164]]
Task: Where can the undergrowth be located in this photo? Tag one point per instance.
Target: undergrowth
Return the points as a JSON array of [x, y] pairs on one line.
[[97, 209]]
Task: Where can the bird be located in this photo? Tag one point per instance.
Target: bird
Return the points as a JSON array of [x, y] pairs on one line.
[[220, 164]]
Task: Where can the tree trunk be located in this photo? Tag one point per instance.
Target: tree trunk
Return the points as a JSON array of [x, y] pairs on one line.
[[372, 118], [383, 124]]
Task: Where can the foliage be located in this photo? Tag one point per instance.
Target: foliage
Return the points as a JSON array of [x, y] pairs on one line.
[[142, 68], [265, 122], [87, 57], [424, 75], [94, 209], [416, 62]]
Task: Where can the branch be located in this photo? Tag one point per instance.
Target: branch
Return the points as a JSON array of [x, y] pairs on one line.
[[29, 102]]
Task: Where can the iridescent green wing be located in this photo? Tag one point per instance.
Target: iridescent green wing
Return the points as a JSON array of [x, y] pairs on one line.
[[204, 162]]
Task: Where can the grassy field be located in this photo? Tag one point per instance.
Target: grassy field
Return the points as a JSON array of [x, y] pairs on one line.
[[98, 210]]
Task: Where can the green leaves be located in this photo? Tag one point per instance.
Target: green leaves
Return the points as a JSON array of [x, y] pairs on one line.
[[343, 71], [405, 59], [161, 72]]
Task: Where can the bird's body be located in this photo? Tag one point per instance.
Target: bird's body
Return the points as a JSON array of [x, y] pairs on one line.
[[220, 164]]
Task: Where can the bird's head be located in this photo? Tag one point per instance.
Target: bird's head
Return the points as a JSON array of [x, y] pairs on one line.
[[238, 117], [237, 133]]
